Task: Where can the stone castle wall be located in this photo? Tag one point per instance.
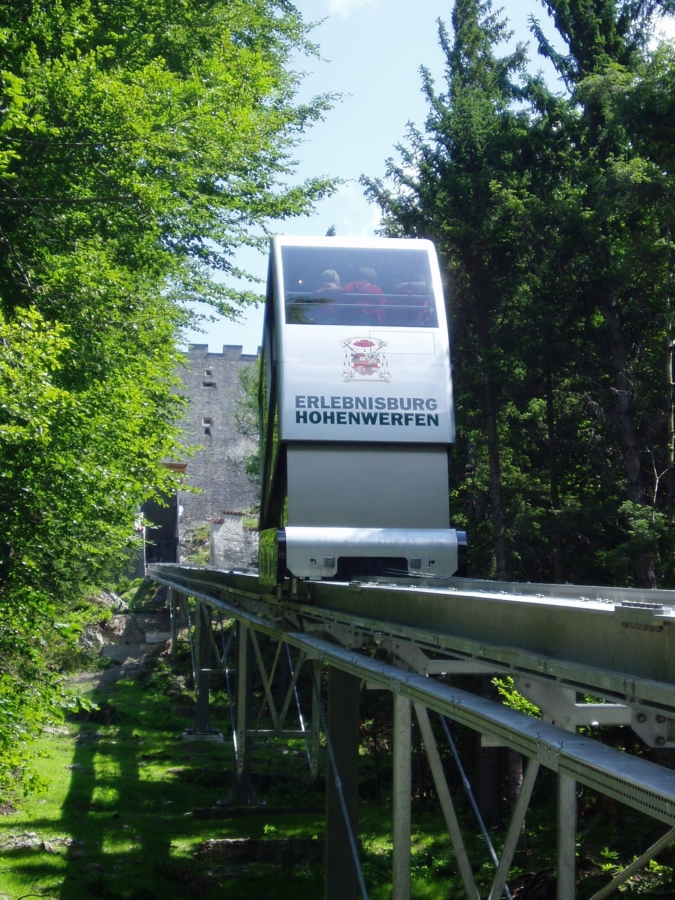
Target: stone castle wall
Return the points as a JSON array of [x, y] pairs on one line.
[[213, 388], [232, 545]]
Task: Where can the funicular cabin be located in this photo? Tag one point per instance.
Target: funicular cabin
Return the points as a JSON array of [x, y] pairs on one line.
[[356, 412]]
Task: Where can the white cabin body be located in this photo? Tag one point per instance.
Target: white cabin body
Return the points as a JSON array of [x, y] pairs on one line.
[[358, 381]]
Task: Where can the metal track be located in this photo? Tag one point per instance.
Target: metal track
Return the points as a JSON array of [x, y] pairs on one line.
[[635, 782], [616, 643]]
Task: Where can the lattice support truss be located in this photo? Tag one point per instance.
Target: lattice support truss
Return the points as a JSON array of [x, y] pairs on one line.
[[209, 657]]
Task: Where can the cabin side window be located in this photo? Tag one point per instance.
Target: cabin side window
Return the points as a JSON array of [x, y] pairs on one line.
[[358, 287]]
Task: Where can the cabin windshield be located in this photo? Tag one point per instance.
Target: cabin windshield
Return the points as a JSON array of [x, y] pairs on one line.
[[354, 286]]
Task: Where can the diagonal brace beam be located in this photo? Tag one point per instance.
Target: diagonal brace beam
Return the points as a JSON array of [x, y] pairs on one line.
[[635, 866], [291, 688], [216, 661], [515, 826], [446, 802], [267, 682], [635, 782]]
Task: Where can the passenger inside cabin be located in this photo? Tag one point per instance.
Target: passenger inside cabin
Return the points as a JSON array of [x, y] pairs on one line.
[[330, 281], [324, 298], [417, 311], [364, 283], [364, 309]]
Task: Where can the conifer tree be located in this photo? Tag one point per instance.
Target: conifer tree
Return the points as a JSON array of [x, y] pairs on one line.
[[553, 216]]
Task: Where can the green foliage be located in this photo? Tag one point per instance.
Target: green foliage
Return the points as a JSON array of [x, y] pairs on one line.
[[247, 418], [140, 144], [197, 544], [510, 697], [152, 135], [142, 595], [124, 790]]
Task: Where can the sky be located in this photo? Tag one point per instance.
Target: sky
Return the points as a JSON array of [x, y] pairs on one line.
[[370, 53]]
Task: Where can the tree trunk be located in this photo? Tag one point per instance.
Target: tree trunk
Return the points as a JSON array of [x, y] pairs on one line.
[[488, 791], [514, 776], [558, 574], [282, 680], [644, 562], [498, 528], [670, 348], [514, 782]]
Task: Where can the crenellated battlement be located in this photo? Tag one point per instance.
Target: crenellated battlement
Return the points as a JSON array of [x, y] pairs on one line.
[[230, 351]]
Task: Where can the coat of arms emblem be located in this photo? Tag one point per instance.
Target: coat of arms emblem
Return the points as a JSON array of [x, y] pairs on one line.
[[365, 360]]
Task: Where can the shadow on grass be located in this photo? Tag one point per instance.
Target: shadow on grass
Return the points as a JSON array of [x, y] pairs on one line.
[[124, 830], [126, 804], [127, 812], [114, 815]]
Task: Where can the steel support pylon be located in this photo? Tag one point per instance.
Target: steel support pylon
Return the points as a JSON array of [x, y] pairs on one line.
[[241, 787], [173, 598], [343, 732], [203, 641], [447, 805], [315, 674], [630, 780], [567, 830], [401, 798]]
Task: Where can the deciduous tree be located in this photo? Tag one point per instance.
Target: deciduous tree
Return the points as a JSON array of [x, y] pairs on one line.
[[141, 142]]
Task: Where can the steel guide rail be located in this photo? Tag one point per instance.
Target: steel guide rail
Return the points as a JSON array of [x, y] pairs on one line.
[[635, 782], [619, 646]]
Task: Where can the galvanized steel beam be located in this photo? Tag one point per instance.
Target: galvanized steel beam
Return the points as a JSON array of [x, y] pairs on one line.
[[342, 786], [316, 718], [514, 829], [615, 643], [630, 780], [567, 830], [447, 805], [401, 764], [635, 866], [242, 785], [203, 663]]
